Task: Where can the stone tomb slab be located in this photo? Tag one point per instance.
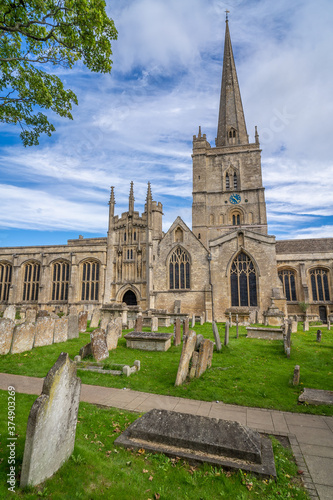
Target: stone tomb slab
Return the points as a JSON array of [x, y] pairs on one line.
[[316, 397], [148, 341], [201, 439], [264, 333]]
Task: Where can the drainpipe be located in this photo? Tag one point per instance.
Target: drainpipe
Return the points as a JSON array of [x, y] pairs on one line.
[[209, 257]]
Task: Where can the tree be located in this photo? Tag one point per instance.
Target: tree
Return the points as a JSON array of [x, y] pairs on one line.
[[36, 35]]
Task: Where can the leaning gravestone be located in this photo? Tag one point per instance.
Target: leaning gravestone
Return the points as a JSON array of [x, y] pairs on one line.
[[83, 318], [226, 334], [6, 334], [44, 331], [96, 316], [187, 351], [217, 337], [186, 327], [10, 313], [23, 338], [204, 352], [73, 324], [52, 423], [99, 346], [112, 335], [60, 330], [177, 334]]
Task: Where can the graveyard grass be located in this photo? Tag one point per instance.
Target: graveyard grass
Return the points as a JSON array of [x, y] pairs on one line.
[[97, 469], [249, 372]]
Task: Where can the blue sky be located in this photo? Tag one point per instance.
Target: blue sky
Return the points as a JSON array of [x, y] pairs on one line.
[[137, 123]]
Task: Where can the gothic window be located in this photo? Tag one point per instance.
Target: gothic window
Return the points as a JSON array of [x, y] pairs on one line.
[[235, 181], [31, 281], [60, 281], [179, 270], [288, 281], [319, 284], [243, 282], [5, 281], [227, 181], [90, 280]]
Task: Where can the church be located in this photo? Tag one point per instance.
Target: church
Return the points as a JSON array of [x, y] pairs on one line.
[[226, 264]]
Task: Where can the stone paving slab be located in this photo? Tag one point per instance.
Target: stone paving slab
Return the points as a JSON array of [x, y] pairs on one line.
[[311, 436]]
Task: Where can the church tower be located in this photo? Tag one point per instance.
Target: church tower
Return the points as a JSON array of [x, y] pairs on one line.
[[227, 181]]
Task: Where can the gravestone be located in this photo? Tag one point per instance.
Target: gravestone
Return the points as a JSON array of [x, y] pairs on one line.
[[44, 331], [226, 333], [230, 320], [10, 313], [294, 325], [202, 319], [96, 316], [60, 330], [23, 338], [194, 364], [30, 315], [237, 326], [112, 335], [217, 337], [83, 318], [124, 318], [73, 324], [85, 351], [130, 324], [187, 351], [138, 324], [296, 375], [6, 334], [52, 423], [328, 325], [200, 339], [195, 438], [119, 326], [177, 334], [306, 325], [316, 397], [186, 327], [318, 335], [154, 324], [204, 353], [104, 323], [210, 355], [99, 346], [193, 321]]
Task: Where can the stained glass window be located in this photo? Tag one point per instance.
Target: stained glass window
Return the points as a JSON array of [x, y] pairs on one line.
[[243, 281], [179, 270]]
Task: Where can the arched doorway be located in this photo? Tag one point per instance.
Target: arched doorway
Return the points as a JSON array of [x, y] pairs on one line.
[[130, 298]]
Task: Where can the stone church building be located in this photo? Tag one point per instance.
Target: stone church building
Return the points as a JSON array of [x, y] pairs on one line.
[[226, 264]]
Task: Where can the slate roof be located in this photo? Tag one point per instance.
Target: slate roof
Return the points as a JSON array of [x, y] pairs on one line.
[[304, 246]]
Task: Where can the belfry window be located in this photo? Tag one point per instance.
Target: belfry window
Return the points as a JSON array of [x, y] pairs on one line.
[[319, 284], [288, 281], [5, 281], [60, 281], [235, 181], [243, 281], [227, 181], [179, 270], [90, 280], [236, 220], [31, 282]]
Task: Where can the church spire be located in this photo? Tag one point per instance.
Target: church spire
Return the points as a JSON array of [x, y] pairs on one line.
[[231, 126], [131, 199]]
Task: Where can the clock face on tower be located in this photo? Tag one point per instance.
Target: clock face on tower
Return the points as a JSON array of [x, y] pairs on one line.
[[235, 199]]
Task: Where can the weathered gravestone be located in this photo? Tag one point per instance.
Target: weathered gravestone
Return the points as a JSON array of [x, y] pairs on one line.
[[6, 334], [200, 339], [104, 322], [194, 365], [112, 335], [44, 331], [206, 348], [96, 316], [201, 439], [328, 325], [99, 346], [230, 320], [177, 334], [154, 324], [85, 351], [30, 315], [83, 318], [23, 338], [186, 327], [184, 363], [294, 325], [193, 321], [202, 319], [306, 325], [318, 335], [296, 375], [73, 324], [217, 337], [237, 326], [10, 313], [52, 423], [138, 324], [226, 333], [60, 330]]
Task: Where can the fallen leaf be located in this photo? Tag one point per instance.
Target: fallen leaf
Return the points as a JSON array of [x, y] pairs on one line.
[[144, 471], [151, 478]]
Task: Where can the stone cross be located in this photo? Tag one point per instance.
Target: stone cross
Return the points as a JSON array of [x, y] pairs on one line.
[[226, 334]]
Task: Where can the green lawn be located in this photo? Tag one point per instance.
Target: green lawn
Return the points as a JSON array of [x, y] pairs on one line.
[[99, 470], [247, 372]]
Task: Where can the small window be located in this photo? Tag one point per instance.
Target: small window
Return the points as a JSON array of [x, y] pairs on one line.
[[235, 181], [227, 181], [236, 220], [125, 236], [134, 236]]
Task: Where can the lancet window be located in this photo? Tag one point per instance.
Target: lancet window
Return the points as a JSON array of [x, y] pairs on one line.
[[31, 281], [243, 281], [60, 281], [319, 284], [90, 280]]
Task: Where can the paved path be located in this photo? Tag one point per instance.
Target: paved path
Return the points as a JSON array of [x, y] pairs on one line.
[[311, 436]]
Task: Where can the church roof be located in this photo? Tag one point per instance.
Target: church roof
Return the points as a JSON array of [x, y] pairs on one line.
[[304, 246]]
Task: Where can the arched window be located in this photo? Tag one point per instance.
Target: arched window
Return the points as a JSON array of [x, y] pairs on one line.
[[179, 270], [60, 281], [288, 281], [31, 281], [236, 217], [243, 281], [90, 280], [227, 181], [319, 284], [125, 236], [5, 281], [235, 181]]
